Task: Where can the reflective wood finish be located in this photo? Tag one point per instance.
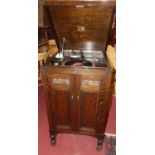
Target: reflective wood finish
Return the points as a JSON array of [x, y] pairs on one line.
[[85, 26], [78, 97]]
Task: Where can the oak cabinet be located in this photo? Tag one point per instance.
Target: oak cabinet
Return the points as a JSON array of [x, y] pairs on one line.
[[77, 79]]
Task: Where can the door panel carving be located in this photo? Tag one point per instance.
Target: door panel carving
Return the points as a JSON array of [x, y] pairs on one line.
[[88, 109], [62, 107]]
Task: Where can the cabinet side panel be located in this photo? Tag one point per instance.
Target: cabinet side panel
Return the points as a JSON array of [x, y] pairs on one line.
[[103, 105], [47, 88]]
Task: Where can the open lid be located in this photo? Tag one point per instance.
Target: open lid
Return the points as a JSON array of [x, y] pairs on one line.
[[84, 25]]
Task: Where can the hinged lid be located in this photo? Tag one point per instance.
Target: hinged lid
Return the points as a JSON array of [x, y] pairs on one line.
[[84, 25]]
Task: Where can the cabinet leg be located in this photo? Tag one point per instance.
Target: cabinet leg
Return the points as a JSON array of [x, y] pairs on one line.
[[100, 142], [53, 137]]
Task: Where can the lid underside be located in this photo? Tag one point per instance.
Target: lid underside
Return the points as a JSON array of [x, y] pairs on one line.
[[84, 28]]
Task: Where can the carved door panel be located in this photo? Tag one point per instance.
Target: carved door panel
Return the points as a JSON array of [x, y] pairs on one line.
[[88, 110], [59, 96], [88, 102]]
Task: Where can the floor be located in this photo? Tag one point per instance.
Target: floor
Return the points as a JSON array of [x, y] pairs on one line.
[[68, 144]]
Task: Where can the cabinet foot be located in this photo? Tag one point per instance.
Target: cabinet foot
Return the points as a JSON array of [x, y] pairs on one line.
[[99, 148], [53, 142], [100, 142], [53, 137]]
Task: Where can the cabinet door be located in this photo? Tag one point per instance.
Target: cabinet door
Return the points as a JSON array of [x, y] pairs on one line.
[[94, 104], [60, 98]]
